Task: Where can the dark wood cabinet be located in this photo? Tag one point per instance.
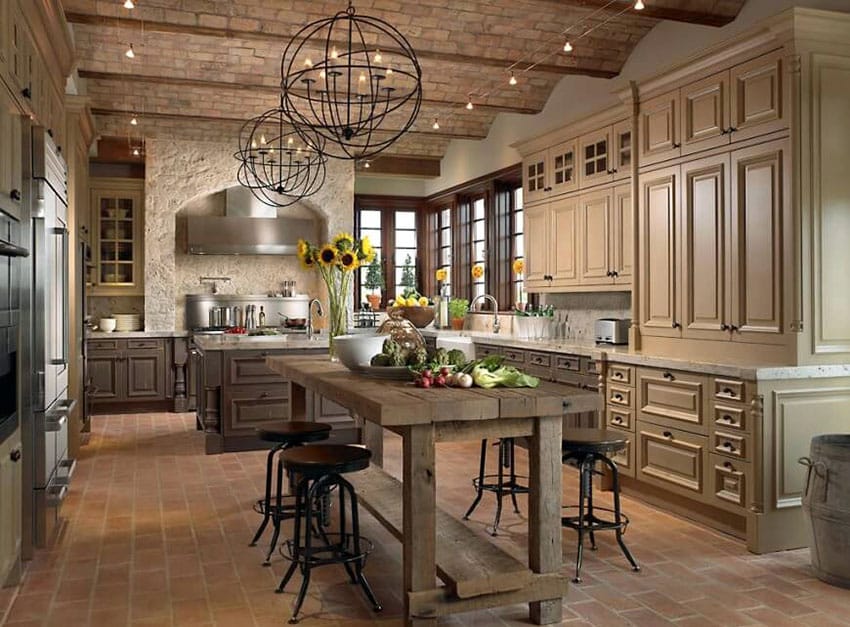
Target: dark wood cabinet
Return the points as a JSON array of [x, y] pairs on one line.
[[126, 373]]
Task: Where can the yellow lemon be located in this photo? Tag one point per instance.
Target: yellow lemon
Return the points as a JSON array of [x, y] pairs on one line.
[[423, 302]]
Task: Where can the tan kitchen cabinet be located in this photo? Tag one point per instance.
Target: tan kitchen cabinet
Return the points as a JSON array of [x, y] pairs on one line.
[[19, 51], [11, 469], [734, 105], [672, 459], [658, 128], [118, 221], [606, 154], [606, 237], [10, 153], [552, 244], [550, 172]]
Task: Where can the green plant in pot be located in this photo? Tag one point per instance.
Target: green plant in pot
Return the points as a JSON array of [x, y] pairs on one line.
[[458, 307], [374, 281]]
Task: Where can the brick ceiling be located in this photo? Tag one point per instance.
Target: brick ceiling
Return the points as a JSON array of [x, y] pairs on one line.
[[203, 66]]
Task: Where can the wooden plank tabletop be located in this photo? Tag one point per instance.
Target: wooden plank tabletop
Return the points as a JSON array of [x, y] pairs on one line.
[[398, 403]]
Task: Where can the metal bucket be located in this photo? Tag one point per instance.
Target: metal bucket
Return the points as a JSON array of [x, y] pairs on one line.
[[826, 503]]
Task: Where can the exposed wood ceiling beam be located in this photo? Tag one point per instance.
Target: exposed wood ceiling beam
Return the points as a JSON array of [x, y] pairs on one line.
[[229, 33], [652, 10], [127, 113], [206, 84], [396, 165]]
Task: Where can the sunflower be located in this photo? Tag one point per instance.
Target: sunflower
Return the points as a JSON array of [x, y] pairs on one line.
[[303, 249], [308, 261], [518, 266], [366, 250], [441, 274], [343, 241], [328, 255], [477, 271], [348, 260]]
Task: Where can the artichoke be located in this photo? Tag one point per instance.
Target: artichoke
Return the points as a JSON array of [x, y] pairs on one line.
[[380, 360], [457, 357], [417, 356]]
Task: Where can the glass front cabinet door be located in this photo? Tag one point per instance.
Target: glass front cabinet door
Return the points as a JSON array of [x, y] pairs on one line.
[[118, 217]]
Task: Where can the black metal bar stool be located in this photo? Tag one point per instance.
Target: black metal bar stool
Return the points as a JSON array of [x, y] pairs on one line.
[[285, 435], [497, 482], [320, 469], [583, 448]]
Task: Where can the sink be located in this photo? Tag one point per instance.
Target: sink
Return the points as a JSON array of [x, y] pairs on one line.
[[460, 342]]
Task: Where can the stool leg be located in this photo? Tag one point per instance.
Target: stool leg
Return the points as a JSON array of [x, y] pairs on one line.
[[513, 474], [582, 487], [590, 517], [358, 564], [296, 532], [500, 486], [615, 476], [480, 490], [267, 498], [276, 519], [312, 492]]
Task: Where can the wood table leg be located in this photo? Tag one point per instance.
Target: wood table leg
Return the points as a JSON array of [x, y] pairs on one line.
[[419, 515], [373, 439], [297, 402], [544, 511]]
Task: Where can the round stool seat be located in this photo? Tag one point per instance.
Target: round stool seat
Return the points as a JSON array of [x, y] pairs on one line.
[[322, 459], [591, 441], [294, 432]]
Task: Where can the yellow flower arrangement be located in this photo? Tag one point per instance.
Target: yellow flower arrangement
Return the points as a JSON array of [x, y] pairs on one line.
[[477, 271], [441, 274], [336, 260], [518, 266]]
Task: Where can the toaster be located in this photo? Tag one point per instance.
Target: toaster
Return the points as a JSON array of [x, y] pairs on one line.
[[612, 330]]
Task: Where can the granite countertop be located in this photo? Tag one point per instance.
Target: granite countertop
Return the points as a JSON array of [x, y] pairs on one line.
[[291, 341], [133, 335]]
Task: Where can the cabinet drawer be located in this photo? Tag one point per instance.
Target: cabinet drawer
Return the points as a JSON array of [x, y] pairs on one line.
[[731, 418], [251, 406], [104, 345], [589, 365], [620, 396], [672, 398], [625, 459], [568, 363], [131, 344], [671, 458], [484, 350], [543, 360], [732, 444], [513, 356], [250, 367], [621, 374], [730, 482], [620, 418], [729, 390]]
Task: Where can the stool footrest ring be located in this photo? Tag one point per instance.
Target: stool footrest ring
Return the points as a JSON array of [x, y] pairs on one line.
[[592, 522], [338, 552], [491, 484]]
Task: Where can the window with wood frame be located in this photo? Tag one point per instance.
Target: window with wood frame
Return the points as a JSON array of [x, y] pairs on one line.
[[393, 226]]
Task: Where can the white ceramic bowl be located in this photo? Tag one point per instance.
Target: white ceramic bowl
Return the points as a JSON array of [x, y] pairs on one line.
[[107, 325], [357, 350]]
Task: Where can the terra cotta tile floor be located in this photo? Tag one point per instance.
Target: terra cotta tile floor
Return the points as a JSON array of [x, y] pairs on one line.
[[157, 534]]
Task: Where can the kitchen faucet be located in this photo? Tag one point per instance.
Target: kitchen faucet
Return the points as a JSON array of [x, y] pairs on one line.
[[214, 280], [496, 325], [319, 312]]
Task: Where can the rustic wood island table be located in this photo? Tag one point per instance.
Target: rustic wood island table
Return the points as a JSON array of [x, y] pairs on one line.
[[477, 574]]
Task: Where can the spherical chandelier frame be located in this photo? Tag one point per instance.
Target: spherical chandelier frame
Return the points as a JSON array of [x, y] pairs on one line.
[[357, 102]]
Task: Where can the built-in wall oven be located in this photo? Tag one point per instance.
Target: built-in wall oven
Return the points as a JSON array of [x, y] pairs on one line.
[[11, 253], [51, 408]]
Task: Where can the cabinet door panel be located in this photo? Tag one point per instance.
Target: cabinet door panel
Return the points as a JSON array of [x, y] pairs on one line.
[[536, 226], [757, 97], [673, 398], [659, 306], [704, 245], [622, 149], [596, 158], [625, 459], [659, 128], [563, 162], [10, 497], [595, 212], [759, 197], [563, 242], [671, 458], [146, 374], [534, 176], [252, 406], [104, 371], [622, 235], [705, 113], [250, 367], [729, 482]]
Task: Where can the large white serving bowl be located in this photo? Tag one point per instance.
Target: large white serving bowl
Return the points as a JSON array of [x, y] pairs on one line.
[[357, 349]]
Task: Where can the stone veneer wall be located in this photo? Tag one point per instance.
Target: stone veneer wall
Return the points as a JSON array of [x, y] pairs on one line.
[[178, 173]]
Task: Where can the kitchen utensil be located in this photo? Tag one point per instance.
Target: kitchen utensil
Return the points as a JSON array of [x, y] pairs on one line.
[[294, 323], [356, 350], [107, 325]]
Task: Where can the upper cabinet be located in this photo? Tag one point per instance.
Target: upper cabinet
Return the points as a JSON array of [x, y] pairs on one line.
[[550, 172], [10, 153], [20, 52], [658, 126], [118, 219]]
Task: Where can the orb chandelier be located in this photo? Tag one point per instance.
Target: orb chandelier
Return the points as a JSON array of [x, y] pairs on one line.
[[276, 163], [354, 80]]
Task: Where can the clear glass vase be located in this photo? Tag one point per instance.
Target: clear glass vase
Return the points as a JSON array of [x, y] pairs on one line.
[[338, 297]]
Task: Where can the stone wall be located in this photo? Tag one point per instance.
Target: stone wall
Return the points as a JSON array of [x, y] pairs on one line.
[[181, 173]]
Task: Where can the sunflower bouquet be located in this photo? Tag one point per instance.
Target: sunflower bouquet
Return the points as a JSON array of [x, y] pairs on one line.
[[336, 261]]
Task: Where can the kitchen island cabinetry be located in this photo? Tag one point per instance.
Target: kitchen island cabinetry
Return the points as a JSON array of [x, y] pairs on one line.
[[128, 375], [236, 392]]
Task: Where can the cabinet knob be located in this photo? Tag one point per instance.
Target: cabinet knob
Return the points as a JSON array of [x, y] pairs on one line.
[[615, 274], [618, 420], [669, 376], [732, 129], [15, 194], [728, 465], [733, 328], [728, 446], [724, 327], [618, 397], [677, 145], [50, 132], [668, 435], [728, 392], [26, 92], [728, 418], [725, 131], [676, 325], [15, 455]]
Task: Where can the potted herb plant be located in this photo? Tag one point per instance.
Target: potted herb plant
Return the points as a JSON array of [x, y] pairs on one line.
[[458, 307], [375, 282]]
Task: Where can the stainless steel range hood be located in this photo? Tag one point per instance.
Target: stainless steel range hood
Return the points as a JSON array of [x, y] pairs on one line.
[[247, 228]]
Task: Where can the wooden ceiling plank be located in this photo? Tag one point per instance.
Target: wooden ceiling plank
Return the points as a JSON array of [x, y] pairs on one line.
[[655, 11], [229, 33]]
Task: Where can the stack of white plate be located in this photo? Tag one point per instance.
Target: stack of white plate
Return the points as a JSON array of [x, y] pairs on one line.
[[128, 322]]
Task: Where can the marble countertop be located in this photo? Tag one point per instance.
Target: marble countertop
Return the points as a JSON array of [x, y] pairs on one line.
[[101, 335], [260, 342]]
